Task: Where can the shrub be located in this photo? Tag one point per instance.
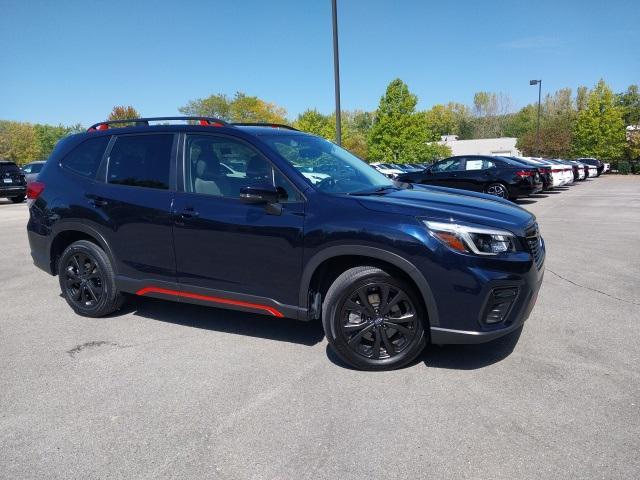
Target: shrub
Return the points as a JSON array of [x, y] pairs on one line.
[[624, 168]]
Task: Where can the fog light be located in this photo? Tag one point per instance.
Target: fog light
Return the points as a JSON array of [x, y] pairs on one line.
[[500, 305], [498, 312]]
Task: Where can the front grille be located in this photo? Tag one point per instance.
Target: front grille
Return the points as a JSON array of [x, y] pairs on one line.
[[534, 244]]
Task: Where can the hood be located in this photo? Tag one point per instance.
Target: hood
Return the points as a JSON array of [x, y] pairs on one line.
[[448, 204]]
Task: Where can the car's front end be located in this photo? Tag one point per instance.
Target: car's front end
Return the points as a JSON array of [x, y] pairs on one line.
[[482, 257]]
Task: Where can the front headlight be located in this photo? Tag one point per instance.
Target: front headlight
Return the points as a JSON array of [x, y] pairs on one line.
[[472, 239]]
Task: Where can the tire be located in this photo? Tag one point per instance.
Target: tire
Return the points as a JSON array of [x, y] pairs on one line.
[[365, 334], [18, 199], [497, 190], [87, 280]]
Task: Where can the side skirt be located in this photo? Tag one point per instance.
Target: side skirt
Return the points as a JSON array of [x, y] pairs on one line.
[[209, 297]]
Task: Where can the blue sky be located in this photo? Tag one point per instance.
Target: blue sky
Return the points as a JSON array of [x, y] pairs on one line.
[[70, 61]]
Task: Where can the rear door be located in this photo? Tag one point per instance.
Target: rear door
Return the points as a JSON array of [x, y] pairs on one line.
[[445, 173], [133, 205], [476, 173]]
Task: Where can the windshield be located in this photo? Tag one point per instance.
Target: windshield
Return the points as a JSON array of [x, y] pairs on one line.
[[326, 166]]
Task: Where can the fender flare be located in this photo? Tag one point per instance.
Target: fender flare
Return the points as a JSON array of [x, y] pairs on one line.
[[74, 226], [376, 253]]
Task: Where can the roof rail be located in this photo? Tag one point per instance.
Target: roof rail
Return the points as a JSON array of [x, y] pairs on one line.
[[144, 122], [264, 124]]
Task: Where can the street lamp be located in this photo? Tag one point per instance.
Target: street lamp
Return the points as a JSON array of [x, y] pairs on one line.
[[539, 83], [336, 70]]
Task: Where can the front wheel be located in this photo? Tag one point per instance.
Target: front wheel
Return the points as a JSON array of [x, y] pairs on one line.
[[372, 320]]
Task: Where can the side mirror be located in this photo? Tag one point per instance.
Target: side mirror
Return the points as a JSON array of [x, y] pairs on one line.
[[258, 194]]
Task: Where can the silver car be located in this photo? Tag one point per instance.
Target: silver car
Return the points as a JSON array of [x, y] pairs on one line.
[[31, 170]]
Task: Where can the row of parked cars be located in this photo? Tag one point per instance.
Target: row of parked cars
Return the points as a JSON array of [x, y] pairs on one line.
[[507, 177]]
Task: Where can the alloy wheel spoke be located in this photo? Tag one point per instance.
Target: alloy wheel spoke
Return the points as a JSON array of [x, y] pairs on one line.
[[354, 307], [375, 354], [387, 342], [406, 318], [354, 327], [384, 299], [404, 330], [394, 301], [358, 336], [364, 299], [91, 292]]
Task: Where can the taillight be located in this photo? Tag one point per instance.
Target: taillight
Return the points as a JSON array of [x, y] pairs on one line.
[[525, 173], [34, 189]]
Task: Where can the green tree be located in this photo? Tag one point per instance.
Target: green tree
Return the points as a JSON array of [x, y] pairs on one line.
[[399, 134], [441, 120], [240, 108], [555, 141], [48, 135], [19, 142], [312, 121], [630, 103], [599, 130]]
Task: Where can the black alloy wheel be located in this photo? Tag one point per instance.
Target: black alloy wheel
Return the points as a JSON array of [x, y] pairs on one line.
[[498, 190], [84, 281], [87, 280], [373, 320], [378, 321]]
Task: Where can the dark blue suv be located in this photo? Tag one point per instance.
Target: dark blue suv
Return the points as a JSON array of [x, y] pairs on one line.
[[267, 219]]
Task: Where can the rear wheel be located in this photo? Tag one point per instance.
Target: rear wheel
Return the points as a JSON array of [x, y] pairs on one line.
[[18, 199], [498, 190], [372, 320], [87, 280]]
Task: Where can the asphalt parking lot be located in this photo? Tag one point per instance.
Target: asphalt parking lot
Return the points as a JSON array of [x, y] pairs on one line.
[[164, 390]]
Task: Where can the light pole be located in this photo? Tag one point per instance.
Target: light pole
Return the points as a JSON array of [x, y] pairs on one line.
[[336, 70], [539, 83]]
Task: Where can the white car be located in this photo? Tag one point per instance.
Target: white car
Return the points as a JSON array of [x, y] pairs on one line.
[[558, 172], [387, 169], [607, 167], [593, 171]]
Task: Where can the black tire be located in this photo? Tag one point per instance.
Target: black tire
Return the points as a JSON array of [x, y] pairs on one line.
[[87, 280], [498, 189], [389, 340], [18, 199]]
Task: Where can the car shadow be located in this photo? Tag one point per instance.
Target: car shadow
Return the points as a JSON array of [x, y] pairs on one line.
[[471, 357], [226, 321], [456, 357], [524, 201]]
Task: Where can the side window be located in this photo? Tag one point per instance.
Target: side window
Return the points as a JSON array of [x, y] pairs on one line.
[[85, 158], [141, 161], [27, 169], [450, 165], [220, 166]]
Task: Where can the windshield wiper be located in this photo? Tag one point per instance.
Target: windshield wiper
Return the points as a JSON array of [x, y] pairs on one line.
[[377, 191]]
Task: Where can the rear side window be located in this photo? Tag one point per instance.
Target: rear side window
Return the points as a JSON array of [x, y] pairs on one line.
[[141, 161], [86, 157], [8, 168]]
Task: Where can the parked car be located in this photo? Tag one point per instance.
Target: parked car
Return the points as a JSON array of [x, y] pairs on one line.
[[12, 182], [499, 176], [606, 167], [579, 172], [593, 162], [32, 169], [544, 169], [386, 266], [387, 170]]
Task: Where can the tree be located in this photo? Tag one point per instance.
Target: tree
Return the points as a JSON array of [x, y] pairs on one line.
[[630, 103], [491, 110], [47, 136], [582, 97], [122, 112], [241, 108], [441, 120], [399, 134], [312, 121], [555, 141], [19, 142], [599, 131]]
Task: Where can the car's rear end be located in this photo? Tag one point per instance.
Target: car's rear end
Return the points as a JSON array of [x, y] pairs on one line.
[[12, 182], [526, 181]]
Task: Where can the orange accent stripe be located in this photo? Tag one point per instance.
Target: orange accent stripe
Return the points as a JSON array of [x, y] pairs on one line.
[[207, 298]]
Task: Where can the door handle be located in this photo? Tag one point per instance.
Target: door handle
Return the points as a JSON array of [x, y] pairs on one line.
[[189, 212], [97, 201]]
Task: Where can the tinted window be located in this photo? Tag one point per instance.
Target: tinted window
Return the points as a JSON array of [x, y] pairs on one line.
[[220, 166], [85, 158], [8, 168], [141, 161], [449, 165]]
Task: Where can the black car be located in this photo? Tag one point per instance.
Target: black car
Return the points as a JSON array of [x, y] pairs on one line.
[[544, 170], [593, 162], [297, 227], [498, 176], [12, 182]]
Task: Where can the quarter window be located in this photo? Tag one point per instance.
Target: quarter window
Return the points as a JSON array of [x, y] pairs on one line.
[[86, 157], [141, 161]]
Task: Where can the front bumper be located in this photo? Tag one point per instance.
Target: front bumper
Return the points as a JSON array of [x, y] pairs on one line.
[[465, 293]]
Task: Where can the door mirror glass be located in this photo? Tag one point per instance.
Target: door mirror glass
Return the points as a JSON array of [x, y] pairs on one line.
[[259, 194]]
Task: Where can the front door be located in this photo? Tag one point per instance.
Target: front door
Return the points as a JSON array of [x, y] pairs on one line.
[[229, 247]]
